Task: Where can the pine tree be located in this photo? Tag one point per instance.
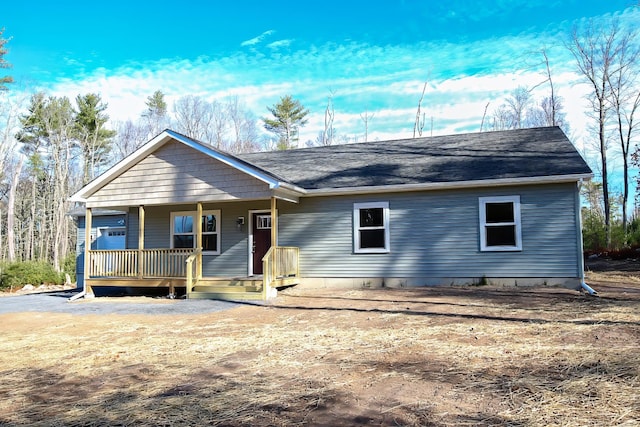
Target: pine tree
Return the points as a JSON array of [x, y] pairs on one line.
[[3, 63], [93, 138], [288, 116], [156, 113]]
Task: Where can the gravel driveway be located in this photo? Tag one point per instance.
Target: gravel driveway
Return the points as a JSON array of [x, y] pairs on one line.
[[57, 302]]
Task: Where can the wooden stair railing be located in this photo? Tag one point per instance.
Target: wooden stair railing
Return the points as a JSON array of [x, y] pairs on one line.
[[193, 269], [279, 262]]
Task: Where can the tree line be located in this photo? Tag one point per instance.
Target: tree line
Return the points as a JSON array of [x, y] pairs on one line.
[[51, 146]]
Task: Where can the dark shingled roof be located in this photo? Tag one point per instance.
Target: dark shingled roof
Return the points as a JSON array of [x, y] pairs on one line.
[[521, 153]]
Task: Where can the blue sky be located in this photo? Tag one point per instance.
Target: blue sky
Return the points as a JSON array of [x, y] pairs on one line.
[[374, 57]]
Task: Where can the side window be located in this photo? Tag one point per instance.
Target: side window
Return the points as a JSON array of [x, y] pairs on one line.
[[210, 233], [500, 228], [183, 231], [371, 227]]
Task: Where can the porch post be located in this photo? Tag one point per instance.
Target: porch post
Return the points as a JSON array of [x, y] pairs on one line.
[[274, 222], [199, 241], [88, 220], [274, 237], [140, 241]]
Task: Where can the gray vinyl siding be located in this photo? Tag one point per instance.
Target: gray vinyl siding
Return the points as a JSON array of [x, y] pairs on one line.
[[96, 223], [436, 234], [176, 173], [234, 255], [433, 234]]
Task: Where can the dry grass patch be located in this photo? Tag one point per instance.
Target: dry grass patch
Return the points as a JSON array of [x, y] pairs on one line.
[[427, 357]]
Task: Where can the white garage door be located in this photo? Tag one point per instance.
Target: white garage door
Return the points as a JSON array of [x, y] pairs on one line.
[[112, 238]]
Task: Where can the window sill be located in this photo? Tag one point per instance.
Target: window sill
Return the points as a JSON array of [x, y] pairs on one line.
[[501, 249]]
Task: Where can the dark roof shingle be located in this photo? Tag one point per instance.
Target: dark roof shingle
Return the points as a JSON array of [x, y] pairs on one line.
[[521, 153]]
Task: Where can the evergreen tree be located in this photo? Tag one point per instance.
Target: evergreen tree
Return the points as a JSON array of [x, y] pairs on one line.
[[47, 133], [156, 113], [288, 116], [93, 138], [3, 63]]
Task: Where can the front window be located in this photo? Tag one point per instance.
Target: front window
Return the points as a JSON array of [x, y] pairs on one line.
[[183, 231], [500, 223], [371, 227]]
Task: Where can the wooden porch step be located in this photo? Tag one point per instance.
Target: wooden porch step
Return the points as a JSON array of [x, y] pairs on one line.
[[285, 281], [233, 282], [227, 296], [227, 288], [239, 288]]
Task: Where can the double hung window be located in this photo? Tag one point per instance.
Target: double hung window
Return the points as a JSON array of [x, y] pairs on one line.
[[371, 227], [500, 228], [183, 231]]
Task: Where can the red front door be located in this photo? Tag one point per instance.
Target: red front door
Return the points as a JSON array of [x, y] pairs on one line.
[[261, 229]]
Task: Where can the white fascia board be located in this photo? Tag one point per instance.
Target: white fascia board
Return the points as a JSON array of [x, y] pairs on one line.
[[294, 189], [284, 194], [448, 185]]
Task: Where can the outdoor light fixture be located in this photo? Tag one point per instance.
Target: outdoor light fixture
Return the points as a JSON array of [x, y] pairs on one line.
[[240, 222]]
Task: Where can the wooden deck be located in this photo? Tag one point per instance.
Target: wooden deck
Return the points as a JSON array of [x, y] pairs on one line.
[[182, 268]]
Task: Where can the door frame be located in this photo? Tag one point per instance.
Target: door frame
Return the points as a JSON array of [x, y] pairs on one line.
[[250, 235]]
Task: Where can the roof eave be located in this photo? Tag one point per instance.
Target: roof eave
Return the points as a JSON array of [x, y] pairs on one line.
[[501, 182]]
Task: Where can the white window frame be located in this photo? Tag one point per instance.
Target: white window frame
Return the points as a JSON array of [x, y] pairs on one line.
[[357, 228], [193, 214], [483, 201], [267, 221]]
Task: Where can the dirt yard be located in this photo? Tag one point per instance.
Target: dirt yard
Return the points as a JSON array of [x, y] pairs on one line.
[[462, 356]]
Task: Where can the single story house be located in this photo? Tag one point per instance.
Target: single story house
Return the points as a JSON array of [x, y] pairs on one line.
[[500, 207]]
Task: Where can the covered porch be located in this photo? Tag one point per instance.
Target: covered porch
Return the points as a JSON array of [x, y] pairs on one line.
[[182, 268], [185, 204]]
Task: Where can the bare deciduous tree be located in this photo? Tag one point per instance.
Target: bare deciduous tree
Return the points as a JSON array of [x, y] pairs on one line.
[[625, 99], [193, 117], [244, 127], [328, 133], [129, 137], [502, 118], [601, 54], [518, 103], [11, 217], [366, 117], [418, 124]]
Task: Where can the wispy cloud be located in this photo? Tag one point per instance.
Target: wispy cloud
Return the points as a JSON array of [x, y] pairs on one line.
[[258, 39], [279, 44], [385, 81]]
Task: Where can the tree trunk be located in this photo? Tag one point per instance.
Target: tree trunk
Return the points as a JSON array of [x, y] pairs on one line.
[[30, 237], [11, 213], [605, 175]]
